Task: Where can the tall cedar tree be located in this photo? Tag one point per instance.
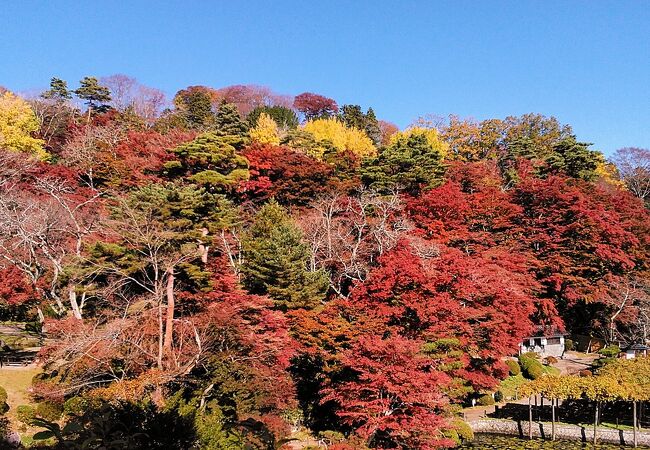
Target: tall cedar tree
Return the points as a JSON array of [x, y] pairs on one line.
[[229, 122], [276, 262]]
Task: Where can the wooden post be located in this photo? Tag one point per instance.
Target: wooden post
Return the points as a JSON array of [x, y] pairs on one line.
[[553, 402], [634, 422], [530, 418], [596, 424]]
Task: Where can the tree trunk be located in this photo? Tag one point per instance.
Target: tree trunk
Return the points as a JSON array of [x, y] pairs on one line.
[[204, 249], [596, 425], [530, 418], [634, 422], [74, 305], [169, 323], [160, 337], [553, 403], [540, 415], [41, 316]]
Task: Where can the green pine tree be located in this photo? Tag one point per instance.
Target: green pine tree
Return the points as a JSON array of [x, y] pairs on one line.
[[197, 109], [352, 116], [406, 164], [276, 262], [229, 121], [95, 95], [211, 161], [284, 117], [372, 127], [58, 90], [575, 159]]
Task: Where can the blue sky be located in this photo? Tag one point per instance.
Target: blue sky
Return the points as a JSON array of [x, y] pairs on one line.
[[585, 62]]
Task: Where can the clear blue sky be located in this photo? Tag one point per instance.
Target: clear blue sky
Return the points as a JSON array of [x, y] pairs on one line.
[[585, 62]]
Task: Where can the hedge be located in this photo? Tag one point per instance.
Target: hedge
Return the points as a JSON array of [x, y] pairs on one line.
[[531, 368], [513, 367]]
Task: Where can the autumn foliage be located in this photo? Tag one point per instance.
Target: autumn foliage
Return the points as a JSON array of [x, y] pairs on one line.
[[245, 263]]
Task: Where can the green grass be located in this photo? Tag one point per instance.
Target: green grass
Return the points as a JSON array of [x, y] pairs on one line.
[[18, 342], [509, 386], [16, 381], [550, 370]]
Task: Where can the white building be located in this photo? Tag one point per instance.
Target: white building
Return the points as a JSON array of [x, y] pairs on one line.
[[545, 341], [635, 350]]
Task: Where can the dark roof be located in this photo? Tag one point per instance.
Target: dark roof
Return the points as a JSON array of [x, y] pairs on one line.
[[546, 331], [638, 347]]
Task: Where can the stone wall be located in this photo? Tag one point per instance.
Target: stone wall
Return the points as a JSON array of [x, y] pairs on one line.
[[563, 431]]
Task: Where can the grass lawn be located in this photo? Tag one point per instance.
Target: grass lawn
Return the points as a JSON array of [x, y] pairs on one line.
[[16, 380], [510, 385], [550, 370]]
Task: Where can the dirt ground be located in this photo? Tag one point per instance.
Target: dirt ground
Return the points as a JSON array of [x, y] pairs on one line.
[[574, 362]]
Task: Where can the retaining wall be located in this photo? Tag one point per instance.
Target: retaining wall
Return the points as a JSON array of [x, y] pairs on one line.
[[563, 431]]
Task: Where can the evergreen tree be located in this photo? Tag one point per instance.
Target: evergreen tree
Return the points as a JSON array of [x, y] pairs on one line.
[[210, 160], [372, 127], [229, 121], [196, 107], [407, 163], [276, 262], [95, 95], [352, 116], [58, 90], [284, 117], [575, 159]]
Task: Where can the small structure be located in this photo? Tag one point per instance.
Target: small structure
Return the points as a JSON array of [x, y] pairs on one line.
[[545, 341], [635, 350]]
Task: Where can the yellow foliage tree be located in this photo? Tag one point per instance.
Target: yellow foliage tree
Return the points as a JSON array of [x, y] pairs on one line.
[[607, 172], [341, 137], [265, 131], [17, 123], [431, 134]]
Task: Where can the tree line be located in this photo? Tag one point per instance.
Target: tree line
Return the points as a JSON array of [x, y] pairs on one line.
[[220, 269]]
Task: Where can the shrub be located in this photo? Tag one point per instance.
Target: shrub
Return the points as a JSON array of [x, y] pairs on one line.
[[585, 373], [34, 327], [551, 360], [464, 430], [332, 437], [485, 400], [530, 355], [5, 428], [25, 413], [459, 432], [75, 406], [4, 407], [531, 368], [498, 396], [569, 345], [50, 411], [611, 351], [513, 367]]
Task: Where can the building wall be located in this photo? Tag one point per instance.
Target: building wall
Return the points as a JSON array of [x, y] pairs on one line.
[[543, 348]]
